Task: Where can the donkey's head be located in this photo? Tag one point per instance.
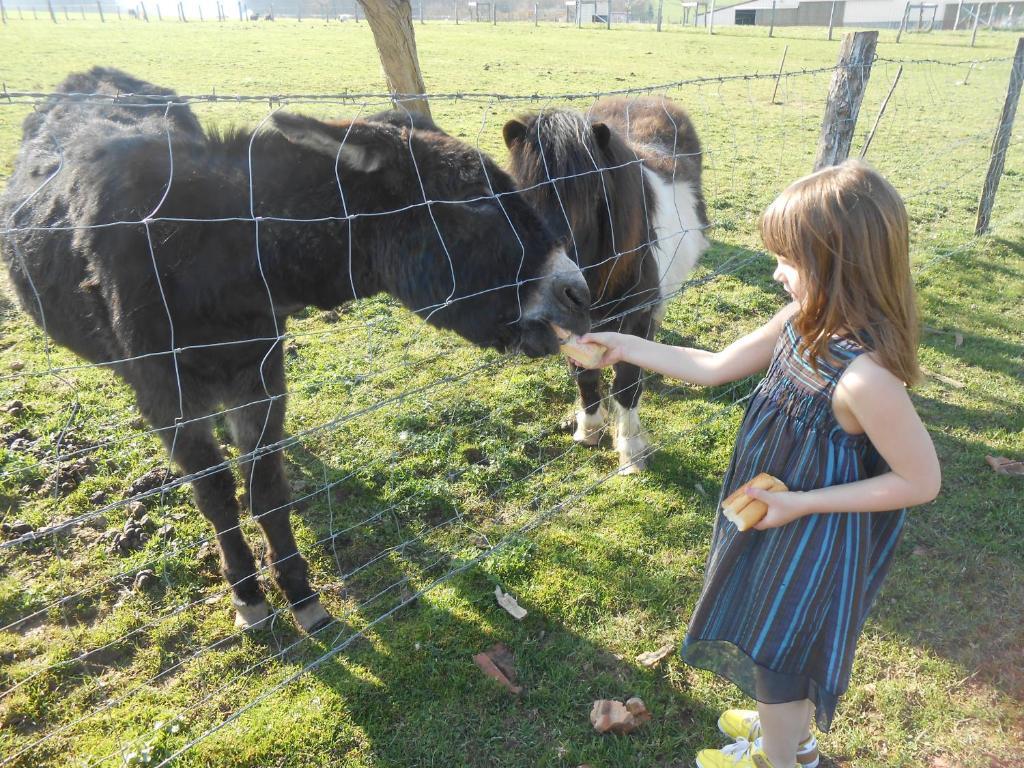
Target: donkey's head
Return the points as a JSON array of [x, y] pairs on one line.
[[440, 226]]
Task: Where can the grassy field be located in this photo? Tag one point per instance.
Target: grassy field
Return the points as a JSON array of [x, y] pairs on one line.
[[607, 567]]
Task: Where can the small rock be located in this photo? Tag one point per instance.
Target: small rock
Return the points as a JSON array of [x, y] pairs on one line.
[[150, 481], [206, 551], [21, 434], [135, 510], [165, 532], [144, 579], [16, 528], [17, 365], [330, 316], [98, 498], [473, 455]]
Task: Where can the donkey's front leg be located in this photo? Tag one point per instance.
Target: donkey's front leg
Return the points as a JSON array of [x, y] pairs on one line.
[[592, 415], [630, 438], [194, 449], [257, 426]]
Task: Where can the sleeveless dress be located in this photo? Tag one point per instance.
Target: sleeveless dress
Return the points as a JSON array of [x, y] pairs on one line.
[[781, 610]]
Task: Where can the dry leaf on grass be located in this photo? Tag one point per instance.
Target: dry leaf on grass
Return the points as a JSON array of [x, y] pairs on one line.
[[652, 658], [499, 664], [609, 716], [1004, 466], [509, 603], [947, 380]]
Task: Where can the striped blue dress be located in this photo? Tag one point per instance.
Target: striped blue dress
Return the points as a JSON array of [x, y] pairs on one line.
[[781, 610]]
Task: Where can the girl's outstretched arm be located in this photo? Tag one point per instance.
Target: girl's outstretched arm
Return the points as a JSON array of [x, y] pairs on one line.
[[745, 356], [877, 403]]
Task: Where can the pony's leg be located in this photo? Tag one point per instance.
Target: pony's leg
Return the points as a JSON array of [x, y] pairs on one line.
[[627, 388], [592, 415], [258, 423], [630, 439], [194, 449]]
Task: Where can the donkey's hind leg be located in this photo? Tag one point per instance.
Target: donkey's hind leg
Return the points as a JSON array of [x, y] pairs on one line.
[[592, 415], [254, 427], [193, 447]]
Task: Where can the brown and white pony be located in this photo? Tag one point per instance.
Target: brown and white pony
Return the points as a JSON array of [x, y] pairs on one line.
[[621, 186]]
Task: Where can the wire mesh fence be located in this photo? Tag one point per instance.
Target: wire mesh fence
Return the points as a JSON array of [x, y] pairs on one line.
[[412, 456]]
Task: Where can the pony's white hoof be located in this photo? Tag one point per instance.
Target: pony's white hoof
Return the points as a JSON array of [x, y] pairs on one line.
[[633, 455], [632, 466], [251, 616], [590, 426], [311, 616]]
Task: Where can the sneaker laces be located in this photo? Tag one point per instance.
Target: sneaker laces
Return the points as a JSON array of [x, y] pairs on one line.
[[739, 749]]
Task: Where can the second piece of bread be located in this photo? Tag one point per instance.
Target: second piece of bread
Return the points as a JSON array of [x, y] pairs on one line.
[[745, 512]]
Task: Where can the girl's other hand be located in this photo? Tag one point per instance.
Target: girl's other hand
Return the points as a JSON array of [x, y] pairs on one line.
[[616, 347], [783, 507]]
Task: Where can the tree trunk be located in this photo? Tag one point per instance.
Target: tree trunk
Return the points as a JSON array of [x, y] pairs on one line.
[[391, 23]]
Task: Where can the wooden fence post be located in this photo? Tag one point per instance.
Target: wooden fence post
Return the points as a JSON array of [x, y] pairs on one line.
[[779, 76], [99, 7], [903, 21], [849, 81], [977, 17], [3, 12], [771, 31], [661, 4], [959, 7], [881, 111], [391, 24], [1001, 141], [145, 13], [831, 17], [711, 19], [49, 4]]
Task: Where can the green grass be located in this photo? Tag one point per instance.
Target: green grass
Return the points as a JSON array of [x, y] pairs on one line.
[[611, 572]]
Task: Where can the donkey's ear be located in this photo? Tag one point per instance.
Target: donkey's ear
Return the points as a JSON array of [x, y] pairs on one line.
[[356, 146], [602, 133], [514, 130]]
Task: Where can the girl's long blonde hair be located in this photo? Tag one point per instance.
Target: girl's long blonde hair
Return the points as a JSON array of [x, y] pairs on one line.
[[845, 230]]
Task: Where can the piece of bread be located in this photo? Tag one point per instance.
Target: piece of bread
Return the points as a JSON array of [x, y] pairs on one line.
[[586, 353], [746, 512]]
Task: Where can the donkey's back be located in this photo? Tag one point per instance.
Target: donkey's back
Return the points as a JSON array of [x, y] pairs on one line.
[[54, 196]]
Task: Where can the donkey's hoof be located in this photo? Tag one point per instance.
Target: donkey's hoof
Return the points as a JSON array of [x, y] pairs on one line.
[[251, 616], [311, 616]]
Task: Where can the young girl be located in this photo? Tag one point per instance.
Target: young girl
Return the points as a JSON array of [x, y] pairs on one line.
[[783, 605]]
